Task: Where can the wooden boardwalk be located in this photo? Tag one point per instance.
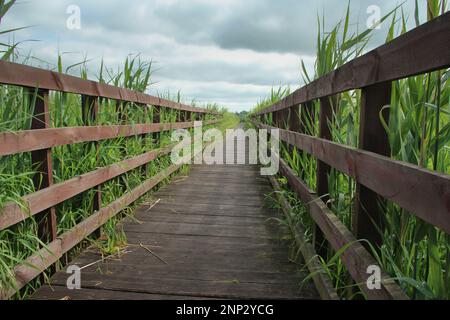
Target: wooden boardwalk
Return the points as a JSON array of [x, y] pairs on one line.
[[210, 236]]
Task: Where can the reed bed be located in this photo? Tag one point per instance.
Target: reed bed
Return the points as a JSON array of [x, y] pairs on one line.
[[413, 252], [16, 172]]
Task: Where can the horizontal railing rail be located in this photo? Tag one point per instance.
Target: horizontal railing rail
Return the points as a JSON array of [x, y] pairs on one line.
[[356, 258], [32, 140], [51, 253], [421, 192], [41, 138], [321, 279], [32, 77], [422, 50]]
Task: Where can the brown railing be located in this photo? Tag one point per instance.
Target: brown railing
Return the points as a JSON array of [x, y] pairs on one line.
[[41, 139], [423, 193]]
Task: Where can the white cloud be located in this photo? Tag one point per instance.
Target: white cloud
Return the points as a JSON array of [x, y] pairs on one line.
[[231, 52]]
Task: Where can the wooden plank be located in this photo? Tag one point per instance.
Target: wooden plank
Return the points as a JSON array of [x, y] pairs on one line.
[[243, 202], [27, 76], [355, 257], [160, 215], [156, 112], [168, 241], [210, 250], [41, 200], [89, 108], [230, 192], [248, 264], [327, 107], [205, 209], [421, 50], [294, 119], [31, 140], [228, 289], [153, 268], [252, 263], [230, 184], [199, 229], [144, 168], [34, 265], [41, 260], [422, 192], [61, 292], [322, 282], [41, 162], [368, 217]]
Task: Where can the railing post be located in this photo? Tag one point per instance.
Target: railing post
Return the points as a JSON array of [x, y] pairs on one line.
[[285, 119], [306, 124], [367, 217], [327, 105], [42, 163], [276, 119], [294, 119], [156, 119], [294, 125], [89, 106], [182, 116], [144, 139]]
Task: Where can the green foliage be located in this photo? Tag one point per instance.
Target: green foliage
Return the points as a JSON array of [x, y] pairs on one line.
[[16, 172], [416, 254]]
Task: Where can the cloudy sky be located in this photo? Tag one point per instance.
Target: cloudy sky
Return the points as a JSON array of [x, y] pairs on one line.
[[227, 51]]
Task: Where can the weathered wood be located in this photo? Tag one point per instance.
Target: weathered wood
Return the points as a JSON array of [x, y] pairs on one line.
[[212, 250], [156, 115], [394, 180], [204, 209], [163, 214], [60, 292], [144, 140], [321, 280], [32, 140], [31, 77], [41, 161], [198, 229], [355, 257], [180, 269], [44, 258], [421, 50], [368, 218], [327, 107], [294, 119], [89, 107], [12, 213], [223, 289]]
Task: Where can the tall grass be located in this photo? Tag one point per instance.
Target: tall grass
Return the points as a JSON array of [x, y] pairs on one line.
[[16, 171], [412, 251]]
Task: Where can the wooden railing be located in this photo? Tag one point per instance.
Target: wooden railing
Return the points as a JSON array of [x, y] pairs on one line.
[[42, 138], [423, 193]]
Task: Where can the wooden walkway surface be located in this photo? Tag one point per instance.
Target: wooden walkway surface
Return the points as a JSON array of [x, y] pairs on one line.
[[210, 236]]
